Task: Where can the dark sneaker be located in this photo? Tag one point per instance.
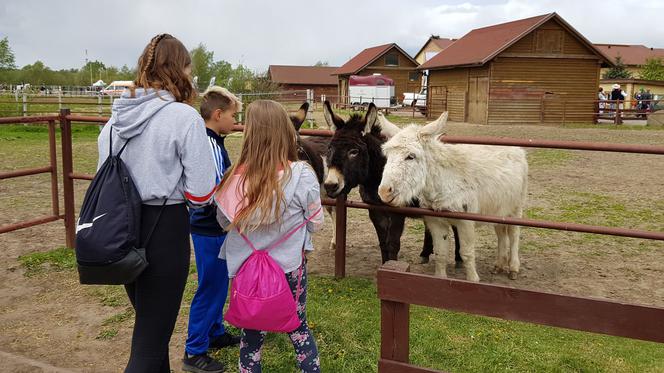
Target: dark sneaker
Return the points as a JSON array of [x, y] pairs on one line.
[[224, 340], [201, 364]]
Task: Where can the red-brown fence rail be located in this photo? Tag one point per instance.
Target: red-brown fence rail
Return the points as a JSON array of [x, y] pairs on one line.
[[51, 169], [397, 290]]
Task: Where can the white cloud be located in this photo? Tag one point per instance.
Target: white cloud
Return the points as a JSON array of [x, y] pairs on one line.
[[260, 32]]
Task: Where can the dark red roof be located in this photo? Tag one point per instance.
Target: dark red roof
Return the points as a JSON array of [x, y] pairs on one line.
[[366, 57], [632, 55], [483, 44], [312, 75]]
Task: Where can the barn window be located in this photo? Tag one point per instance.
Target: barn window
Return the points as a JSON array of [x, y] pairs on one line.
[[549, 41], [413, 76], [392, 59]]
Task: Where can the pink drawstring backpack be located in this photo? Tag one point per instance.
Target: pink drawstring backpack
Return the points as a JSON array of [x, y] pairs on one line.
[[260, 297]]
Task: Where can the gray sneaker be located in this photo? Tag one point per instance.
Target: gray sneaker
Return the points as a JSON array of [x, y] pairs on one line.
[[201, 364]]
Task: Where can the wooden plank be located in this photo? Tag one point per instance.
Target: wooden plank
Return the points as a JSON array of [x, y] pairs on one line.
[[394, 323], [585, 314], [389, 366]]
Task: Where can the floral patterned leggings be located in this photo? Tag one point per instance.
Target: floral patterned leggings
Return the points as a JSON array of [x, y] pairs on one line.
[[251, 344]]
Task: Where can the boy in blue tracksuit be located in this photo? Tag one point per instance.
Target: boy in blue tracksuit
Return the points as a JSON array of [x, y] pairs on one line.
[[206, 328]]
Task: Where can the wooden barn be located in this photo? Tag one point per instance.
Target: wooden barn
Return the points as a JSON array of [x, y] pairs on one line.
[[530, 71], [318, 78], [387, 59]]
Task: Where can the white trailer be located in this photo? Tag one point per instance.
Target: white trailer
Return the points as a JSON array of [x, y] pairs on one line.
[[377, 88]]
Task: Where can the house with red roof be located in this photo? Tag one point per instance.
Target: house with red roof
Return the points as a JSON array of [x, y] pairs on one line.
[[386, 59], [317, 78], [633, 57], [529, 71]]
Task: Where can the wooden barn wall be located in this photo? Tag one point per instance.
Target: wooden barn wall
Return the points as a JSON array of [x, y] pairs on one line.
[[400, 74], [518, 86], [549, 38], [456, 81]]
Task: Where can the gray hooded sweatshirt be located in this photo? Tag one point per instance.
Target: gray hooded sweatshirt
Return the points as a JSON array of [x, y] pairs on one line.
[[301, 200], [169, 155]]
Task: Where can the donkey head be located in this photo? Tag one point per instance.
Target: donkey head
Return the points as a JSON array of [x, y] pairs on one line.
[[406, 170], [351, 149]]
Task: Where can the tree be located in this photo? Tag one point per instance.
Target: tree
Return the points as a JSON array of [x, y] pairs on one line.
[[7, 60], [202, 61], [321, 63], [653, 69], [618, 71]]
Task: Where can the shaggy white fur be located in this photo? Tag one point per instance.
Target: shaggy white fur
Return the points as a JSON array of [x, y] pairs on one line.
[[482, 179]]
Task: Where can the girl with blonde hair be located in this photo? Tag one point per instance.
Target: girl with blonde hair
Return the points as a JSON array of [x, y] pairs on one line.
[[266, 194]]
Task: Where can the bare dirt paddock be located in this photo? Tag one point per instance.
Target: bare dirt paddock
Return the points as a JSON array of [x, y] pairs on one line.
[[47, 320]]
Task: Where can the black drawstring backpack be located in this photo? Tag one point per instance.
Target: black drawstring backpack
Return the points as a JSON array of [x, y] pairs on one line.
[[108, 251]]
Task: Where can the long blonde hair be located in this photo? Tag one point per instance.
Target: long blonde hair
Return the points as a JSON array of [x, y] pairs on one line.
[[269, 147]]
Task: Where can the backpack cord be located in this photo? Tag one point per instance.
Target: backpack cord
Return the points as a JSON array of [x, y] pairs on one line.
[[154, 226], [110, 154]]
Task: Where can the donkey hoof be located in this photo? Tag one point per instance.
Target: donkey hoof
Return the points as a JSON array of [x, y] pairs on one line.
[[496, 270], [513, 275], [424, 259], [458, 264]]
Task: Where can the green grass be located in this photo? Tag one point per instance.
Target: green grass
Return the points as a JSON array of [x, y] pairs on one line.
[[56, 260], [548, 157], [345, 318]]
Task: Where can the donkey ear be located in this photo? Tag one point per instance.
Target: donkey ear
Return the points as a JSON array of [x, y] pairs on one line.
[[300, 116], [370, 119], [333, 121], [436, 127]]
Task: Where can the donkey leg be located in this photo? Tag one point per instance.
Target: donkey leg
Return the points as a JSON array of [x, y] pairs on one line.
[[427, 246], [394, 232], [333, 241], [381, 222], [502, 251], [514, 232], [467, 235], [439, 232], [458, 261]]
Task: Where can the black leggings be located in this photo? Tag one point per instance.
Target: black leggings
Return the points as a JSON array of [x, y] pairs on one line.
[[157, 292]]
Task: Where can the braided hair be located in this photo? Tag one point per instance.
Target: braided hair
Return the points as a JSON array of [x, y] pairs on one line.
[[161, 67]]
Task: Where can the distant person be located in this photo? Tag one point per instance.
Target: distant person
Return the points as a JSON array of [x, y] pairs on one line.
[[206, 323], [617, 96], [168, 155], [601, 97]]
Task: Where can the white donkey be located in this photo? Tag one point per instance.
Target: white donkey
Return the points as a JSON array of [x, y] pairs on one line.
[[481, 179]]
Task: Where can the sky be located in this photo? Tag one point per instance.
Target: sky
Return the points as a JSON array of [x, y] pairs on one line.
[[259, 33]]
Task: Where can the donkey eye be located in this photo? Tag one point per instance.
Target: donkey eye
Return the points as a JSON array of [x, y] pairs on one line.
[[410, 157], [353, 153]]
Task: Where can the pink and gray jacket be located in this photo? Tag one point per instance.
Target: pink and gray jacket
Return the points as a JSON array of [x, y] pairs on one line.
[[302, 199]]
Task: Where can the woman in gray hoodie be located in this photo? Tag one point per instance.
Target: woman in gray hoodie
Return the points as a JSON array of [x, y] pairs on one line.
[[169, 159], [265, 195]]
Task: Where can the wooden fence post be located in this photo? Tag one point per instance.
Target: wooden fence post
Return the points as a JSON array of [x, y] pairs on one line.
[[25, 104], [340, 239], [67, 181], [394, 323]]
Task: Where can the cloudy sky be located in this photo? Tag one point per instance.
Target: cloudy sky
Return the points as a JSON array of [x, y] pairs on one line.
[[258, 33]]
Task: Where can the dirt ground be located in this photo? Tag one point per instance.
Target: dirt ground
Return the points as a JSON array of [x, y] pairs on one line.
[[49, 323]]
